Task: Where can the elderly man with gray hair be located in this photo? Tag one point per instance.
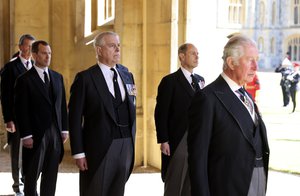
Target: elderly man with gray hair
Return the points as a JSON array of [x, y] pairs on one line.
[[102, 121], [227, 140]]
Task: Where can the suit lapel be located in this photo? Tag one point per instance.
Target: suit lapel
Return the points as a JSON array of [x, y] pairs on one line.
[[184, 82], [127, 79], [262, 127], [235, 108], [102, 90], [37, 81], [54, 80], [19, 65]]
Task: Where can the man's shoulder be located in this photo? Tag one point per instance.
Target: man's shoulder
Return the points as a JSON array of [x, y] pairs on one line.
[[199, 77], [11, 64], [55, 74], [87, 70], [173, 75], [86, 73], [122, 67]]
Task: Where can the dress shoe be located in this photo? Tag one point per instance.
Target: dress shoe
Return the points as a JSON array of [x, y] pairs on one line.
[[19, 194]]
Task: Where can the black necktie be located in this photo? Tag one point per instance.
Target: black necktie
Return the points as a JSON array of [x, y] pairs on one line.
[[118, 97], [27, 63], [246, 100], [46, 79], [194, 83]]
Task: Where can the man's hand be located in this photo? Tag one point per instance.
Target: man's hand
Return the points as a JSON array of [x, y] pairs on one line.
[[165, 148], [28, 143], [81, 164], [10, 127], [64, 137]]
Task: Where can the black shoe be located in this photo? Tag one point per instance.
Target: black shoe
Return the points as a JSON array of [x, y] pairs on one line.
[[19, 194]]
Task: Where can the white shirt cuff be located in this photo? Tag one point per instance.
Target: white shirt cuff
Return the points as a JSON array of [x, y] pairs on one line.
[[27, 137], [79, 155]]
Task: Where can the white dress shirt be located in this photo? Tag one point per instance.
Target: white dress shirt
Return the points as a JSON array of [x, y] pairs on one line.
[[235, 87]]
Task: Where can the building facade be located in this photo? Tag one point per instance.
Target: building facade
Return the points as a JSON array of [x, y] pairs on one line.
[[273, 24]]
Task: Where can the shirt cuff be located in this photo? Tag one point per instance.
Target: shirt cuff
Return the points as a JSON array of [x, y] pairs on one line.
[[79, 155], [26, 137], [65, 132]]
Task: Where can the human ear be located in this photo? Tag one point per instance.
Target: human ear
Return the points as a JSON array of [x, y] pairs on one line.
[[231, 63]]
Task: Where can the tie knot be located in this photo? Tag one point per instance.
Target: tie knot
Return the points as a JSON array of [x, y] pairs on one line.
[[27, 63], [46, 78], [193, 77], [115, 73], [242, 91]]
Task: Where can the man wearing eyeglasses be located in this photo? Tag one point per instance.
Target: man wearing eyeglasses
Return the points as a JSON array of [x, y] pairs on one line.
[[102, 121]]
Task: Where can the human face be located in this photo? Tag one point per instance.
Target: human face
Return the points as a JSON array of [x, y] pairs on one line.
[[25, 48], [247, 66], [109, 51], [189, 60], [43, 57]]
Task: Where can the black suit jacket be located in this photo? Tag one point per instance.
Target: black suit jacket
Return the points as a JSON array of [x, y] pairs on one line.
[[34, 109], [92, 119], [11, 71], [171, 112], [220, 142]]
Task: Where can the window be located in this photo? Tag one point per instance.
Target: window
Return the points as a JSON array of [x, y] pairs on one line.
[[296, 12], [235, 12], [106, 12], [294, 48], [98, 13], [261, 13], [272, 46], [260, 45], [273, 13]]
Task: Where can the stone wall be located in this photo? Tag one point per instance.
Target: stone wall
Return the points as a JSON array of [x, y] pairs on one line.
[[148, 32]]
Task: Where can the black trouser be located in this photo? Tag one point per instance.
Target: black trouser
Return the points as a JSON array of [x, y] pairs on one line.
[[45, 160], [14, 144], [113, 172], [285, 94], [293, 91]]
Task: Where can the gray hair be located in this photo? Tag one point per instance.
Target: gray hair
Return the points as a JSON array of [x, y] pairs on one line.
[[98, 40], [235, 48], [183, 48], [24, 37]]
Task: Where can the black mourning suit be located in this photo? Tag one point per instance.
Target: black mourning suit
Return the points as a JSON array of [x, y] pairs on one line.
[[223, 143], [41, 112], [9, 75], [171, 118], [97, 121]]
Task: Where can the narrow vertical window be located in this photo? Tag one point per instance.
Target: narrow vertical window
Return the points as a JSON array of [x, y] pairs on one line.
[[261, 13], [88, 18], [273, 13], [106, 12], [296, 12], [235, 12], [261, 45], [294, 48], [272, 47]]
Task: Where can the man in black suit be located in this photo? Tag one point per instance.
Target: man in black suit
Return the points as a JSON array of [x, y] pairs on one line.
[[227, 140], [41, 116], [18, 65], [102, 121], [174, 96]]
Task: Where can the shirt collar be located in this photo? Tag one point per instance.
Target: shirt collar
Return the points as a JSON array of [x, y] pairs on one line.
[[23, 60], [233, 85], [106, 69], [186, 73], [41, 70]]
